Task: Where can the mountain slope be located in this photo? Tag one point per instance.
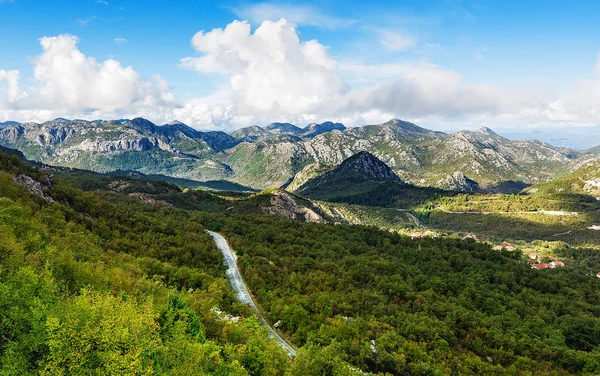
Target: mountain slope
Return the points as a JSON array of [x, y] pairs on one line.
[[584, 179], [364, 180]]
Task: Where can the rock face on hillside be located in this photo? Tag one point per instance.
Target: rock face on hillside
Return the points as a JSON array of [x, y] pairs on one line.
[[458, 182], [286, 205]]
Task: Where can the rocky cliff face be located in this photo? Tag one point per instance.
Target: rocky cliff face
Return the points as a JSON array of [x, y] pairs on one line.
[[458, 182]]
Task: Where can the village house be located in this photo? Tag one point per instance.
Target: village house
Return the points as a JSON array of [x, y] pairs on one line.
[[551, 265], [504, 245]]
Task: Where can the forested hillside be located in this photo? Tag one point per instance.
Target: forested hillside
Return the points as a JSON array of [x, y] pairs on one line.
[[91, 287]]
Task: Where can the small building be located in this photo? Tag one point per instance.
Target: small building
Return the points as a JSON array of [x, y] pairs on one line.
[[508, 246], [551, 265]]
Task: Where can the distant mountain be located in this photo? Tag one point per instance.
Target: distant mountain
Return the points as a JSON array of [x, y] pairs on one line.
[[250, 133], [173, 149], [312, 130], [283, 128], [279, 153]]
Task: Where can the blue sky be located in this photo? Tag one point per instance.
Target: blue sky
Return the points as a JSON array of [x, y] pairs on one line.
[[501, 64]]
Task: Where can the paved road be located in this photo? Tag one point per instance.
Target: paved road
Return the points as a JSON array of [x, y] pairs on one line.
[[241, 291]]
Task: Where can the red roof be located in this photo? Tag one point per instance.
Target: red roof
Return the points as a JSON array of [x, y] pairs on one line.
[[541, 266]]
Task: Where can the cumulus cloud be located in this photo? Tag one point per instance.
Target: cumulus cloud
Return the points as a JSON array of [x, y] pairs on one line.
[[270, 71], [68, 82], [424, 89], [68, 79]]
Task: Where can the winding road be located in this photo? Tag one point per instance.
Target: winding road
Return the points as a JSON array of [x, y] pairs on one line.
[[241, 290]]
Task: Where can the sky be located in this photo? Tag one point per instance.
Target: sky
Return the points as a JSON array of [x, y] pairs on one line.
[[526, 67]]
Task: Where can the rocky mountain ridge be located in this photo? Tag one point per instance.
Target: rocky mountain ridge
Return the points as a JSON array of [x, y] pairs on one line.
[[279, 153]]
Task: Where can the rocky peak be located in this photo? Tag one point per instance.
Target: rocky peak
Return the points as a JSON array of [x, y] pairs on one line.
[[368, 165], [142, 125], [487, 131], [315, 129], [175, 122], [285, 128]]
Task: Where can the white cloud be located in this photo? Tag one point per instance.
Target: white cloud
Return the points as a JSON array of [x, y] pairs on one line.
[[270, 71], [423, 89], [120, 40], [298, 15], [68, 82], [102, 2]]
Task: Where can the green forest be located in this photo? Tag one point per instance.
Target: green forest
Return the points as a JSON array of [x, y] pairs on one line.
[[98, 282], [432, 306]]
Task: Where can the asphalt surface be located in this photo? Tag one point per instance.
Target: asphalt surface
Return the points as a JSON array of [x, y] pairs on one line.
[[241, 290]]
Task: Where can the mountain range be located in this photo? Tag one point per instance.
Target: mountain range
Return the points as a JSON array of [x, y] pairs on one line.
[[282, 154]]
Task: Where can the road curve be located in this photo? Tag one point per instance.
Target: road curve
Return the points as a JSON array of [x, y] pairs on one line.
[[241, 290]]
